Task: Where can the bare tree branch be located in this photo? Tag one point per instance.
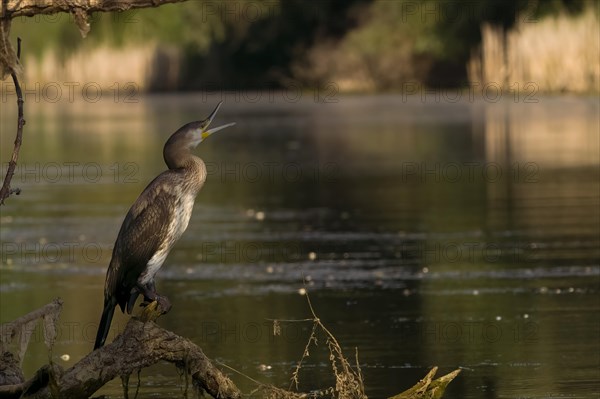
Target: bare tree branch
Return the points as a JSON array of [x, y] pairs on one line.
[[5, 191], [142, 344], [28, 8]]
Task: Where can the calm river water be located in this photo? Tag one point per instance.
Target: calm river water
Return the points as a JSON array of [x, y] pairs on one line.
[[460, 234]]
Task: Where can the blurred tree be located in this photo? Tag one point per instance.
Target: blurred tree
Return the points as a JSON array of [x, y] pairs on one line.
[[263, 43], [259, 52], [427, 41]]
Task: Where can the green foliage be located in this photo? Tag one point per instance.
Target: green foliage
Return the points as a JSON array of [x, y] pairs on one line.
[[426, 41], [46, 32], [262, 43], [194, 24]]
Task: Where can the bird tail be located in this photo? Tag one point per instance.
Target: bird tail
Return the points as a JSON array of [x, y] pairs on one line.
[[104, 326]]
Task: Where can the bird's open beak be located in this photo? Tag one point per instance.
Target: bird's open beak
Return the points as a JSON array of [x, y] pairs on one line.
[[207, 132]]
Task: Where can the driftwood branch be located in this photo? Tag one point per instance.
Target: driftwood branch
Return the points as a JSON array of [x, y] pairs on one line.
[[6, 191], [142, 344], [11, 376], [12, 381], [428, 388], [23, 389]]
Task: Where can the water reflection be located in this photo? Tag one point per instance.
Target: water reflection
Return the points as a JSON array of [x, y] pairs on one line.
[[460, 235]]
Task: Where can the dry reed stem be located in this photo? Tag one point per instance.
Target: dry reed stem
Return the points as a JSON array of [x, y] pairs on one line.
[[555, 54], [348, 382]]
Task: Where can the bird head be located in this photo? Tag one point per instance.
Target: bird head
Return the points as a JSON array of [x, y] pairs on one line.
[[188, 137]]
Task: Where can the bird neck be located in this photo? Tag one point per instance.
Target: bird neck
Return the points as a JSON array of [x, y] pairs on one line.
[[195, 165], [194, 169]]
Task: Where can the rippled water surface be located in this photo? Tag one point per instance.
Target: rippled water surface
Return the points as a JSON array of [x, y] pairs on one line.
[[463, 235]]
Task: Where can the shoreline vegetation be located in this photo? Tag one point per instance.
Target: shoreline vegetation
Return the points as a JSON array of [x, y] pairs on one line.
[[382, 47], [558, 54]]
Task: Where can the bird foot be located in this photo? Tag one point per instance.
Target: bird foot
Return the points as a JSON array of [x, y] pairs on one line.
[[164, 303], [150, 312], [159, 301]]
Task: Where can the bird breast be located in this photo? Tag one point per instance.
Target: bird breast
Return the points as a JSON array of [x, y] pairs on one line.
[[181, 214]]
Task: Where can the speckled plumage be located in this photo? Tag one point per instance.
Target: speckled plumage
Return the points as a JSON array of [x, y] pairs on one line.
[[155, 221]]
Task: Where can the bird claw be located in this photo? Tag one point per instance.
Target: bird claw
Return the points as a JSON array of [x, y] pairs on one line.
[[152, 304], [150, 312], [164, 303]]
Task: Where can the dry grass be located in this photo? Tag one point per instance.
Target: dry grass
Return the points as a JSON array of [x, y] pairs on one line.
[[557, 54], [348, 379], [110, 68]]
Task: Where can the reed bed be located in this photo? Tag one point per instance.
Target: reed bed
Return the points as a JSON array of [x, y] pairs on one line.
[[144, 67], [556, 54]]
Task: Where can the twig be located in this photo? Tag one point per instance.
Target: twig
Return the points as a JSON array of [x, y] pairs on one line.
[[349, 382], [313, 338], [5, 191], [239, 372], [291, 320], [273, 391]]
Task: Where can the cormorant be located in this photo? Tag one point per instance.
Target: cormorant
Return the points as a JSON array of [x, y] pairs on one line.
[[154, 223]]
